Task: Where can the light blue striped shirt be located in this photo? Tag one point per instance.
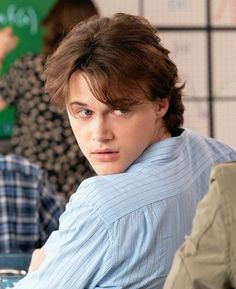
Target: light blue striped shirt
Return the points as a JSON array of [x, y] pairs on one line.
[[121, 231]]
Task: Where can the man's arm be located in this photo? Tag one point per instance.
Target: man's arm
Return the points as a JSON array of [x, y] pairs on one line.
[[50, 209], [78, 253]]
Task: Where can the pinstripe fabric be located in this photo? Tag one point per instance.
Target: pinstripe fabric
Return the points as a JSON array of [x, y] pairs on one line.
[[29, 207], [121, 231]]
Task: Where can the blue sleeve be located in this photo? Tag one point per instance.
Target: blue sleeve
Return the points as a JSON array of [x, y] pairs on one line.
[[77, 255]]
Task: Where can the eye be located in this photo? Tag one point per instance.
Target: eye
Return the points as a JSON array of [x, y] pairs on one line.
[[80, 112], [120, 111], [84, 113]]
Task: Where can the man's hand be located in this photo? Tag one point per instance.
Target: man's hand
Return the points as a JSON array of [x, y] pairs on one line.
[[36, 259]]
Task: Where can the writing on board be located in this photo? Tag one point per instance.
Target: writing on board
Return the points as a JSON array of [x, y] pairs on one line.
[[20, 17]]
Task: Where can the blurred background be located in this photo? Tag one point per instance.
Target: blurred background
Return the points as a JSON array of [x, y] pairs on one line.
[[201, 36]]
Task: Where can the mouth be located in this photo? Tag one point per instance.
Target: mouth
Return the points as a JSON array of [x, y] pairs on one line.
[[105, 155]]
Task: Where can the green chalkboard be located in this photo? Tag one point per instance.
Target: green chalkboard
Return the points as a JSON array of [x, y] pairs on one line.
[[24, 16], [7, 117]]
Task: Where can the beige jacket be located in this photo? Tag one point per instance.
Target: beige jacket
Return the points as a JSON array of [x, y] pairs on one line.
[[207, 258]]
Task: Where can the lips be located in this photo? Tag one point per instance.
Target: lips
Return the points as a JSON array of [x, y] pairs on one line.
[[105, 155]]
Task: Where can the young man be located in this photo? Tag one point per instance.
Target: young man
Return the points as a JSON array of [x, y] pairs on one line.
[[122, 227]]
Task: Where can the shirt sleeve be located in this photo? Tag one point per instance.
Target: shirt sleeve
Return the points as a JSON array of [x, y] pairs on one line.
[[51, 207], [77, 255]]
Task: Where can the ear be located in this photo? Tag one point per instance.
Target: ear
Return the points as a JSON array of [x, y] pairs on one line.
[[162, 106]]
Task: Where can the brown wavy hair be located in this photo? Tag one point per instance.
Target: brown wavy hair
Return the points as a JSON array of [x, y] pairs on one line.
[[62, 17], [123, 61]]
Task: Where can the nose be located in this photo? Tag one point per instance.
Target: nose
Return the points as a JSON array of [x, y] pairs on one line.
[[101, 130]]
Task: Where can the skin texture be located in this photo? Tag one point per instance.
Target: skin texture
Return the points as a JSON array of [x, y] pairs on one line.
[[111, 139], [36, 259], [8, 41]]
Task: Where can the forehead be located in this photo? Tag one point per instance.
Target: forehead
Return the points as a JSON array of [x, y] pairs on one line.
[[81, 94], [112, 92], [78, 85]]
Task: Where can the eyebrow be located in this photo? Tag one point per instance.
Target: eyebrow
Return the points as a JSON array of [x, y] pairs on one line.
[[79, 103]]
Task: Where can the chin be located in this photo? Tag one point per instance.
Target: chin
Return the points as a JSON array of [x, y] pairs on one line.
[[108, 171]]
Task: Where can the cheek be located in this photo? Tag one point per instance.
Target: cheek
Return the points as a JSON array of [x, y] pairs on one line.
[[143, 134], [143, 128], [136, 138], [78, 131], [80, 136], [74, 127]]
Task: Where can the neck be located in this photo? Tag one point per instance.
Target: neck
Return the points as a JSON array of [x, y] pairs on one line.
[[162, 134]]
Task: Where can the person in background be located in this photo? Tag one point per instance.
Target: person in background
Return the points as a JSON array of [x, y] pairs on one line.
[[122, 94], [207, 257], [29, 207], [42, 133], [8, 41]]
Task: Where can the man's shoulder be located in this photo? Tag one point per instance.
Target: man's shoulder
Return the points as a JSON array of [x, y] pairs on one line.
[[109, 195], [116, 196], [207, 146], [104, 187]]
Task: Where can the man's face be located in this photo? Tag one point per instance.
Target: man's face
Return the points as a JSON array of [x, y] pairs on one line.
[[111, 139]]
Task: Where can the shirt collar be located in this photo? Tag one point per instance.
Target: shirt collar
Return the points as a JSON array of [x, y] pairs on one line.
[[163, 150]]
